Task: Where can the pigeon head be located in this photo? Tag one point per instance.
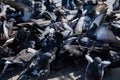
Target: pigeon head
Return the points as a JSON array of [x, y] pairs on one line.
[[97, 60], [2, 18], [22, 34], [12, 20], [46, 57], [59, 12], [91, 31], [37, 5]]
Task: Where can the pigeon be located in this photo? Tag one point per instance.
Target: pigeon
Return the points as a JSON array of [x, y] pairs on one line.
[[95, 68]]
